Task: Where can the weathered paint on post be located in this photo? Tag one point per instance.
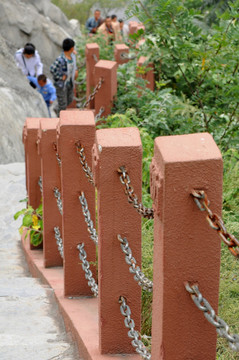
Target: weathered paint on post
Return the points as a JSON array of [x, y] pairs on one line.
[[148, 74], [115, 148], [104, 98], [50, 173], [76, 126], [185, 247], [92, 54], [118, 51]]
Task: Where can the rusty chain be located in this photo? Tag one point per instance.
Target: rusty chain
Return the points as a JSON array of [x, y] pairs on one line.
[[86, 168], [86, 267], [101, 111], [132, 197], [95, 57], [95, 91], [139, 276], [132, 333], [59, 240], [221, 326], [125, 55], [57, 155], [216, 222], [89, 222], [58, 199], [40, 183]]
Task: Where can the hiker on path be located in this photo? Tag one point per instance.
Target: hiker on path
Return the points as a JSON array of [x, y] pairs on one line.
[[93, 23], [64, 73], [116, 27], [107, 30]]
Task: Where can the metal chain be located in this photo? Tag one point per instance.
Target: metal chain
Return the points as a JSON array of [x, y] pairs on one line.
[[89, 222], [59, 240], [216, 222], [57, 155], [58, 199], [95, 91], [86, 267], [139, 276], [81, 65], [132, 333], [80, 82], [132, 197], [40, 183], [98, 116], [79, 100], [86, 168], [125, 55], [221, 326], [95, 58]]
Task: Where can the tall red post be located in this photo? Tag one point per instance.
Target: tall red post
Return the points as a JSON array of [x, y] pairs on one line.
[[76, 126], [92, 54], [104, 98], [115, 148], [119, 51], [186, 249], [50, 173], [146, 72]]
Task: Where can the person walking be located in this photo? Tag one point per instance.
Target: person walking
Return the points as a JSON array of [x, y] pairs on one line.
[[64, 73]]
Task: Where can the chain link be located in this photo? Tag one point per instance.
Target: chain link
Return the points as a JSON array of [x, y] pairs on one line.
[[95, 91], [58, 199], [125, 55], [132, 197], [221, 326], [86, 168], [40, 183], [59, 240], [57, 155], [101, 111], [216, 222], [95, 58], [80, 82], [139, 276], [86, 267], [89, 222], [132, 333]]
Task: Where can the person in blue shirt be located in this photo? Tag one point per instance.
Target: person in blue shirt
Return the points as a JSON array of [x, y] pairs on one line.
[[45, 87], [93, 23]]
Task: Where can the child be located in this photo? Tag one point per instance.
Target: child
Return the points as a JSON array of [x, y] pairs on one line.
[[45, 87]]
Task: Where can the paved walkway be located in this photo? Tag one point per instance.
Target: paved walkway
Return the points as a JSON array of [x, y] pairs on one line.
[[31, 327]]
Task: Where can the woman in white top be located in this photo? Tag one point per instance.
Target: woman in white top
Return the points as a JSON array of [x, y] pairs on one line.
[[29, 61]]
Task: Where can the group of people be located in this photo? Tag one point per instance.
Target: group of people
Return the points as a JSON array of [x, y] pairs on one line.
[[112, 28], [63, 70]]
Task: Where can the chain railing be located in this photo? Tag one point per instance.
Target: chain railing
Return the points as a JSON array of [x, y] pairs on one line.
[[101, 111], [40, 184], [139, 276], [89, 222], [80, 82], [216, 222], [57, 155], [221, 326], [58, 199], [95, 57], [95, 91], [132, 333], [125, 55], [86, 267], [59, 241], [132, 197], [88, 173]]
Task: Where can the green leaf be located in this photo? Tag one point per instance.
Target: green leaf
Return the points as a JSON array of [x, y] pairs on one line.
[[27, 220]]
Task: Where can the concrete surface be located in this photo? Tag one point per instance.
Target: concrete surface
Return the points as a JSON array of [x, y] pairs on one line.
[[31, 327]]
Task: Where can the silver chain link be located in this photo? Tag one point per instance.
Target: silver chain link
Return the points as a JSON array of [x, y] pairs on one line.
[[57, 155], [80, 82], [132, 197], [59, 241], [101, 111], [125, 55], [40, 183], [89, 222], [132, 333], [221, 326], [58, 199], [95, 58], [139, 276], [86, 168], [95, 91], [86, 267]]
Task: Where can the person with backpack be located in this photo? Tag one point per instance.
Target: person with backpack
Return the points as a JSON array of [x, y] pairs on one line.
[[64, 73], [28, 61]]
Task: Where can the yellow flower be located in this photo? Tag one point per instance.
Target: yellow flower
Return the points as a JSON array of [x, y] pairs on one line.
[[35, 227], [35, 220], [203, 64]]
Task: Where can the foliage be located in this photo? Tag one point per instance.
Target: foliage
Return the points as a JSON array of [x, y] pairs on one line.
[[31, 222]]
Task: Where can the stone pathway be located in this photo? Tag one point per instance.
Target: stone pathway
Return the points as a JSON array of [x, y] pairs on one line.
[[31, 327]]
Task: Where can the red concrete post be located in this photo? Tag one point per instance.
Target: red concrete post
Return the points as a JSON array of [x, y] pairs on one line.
[[104, 98], [92, 54], [115, 148], [118, 51], [147, 73], [185, 247], [50, 171], [24, 141], [76, 126]]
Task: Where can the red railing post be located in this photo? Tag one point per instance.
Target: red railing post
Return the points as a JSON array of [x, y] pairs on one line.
[[92, 54], [148, 73], [118, 51], [76, 126], [186, 249], [50, 172], [104, 98], [115, 148]]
